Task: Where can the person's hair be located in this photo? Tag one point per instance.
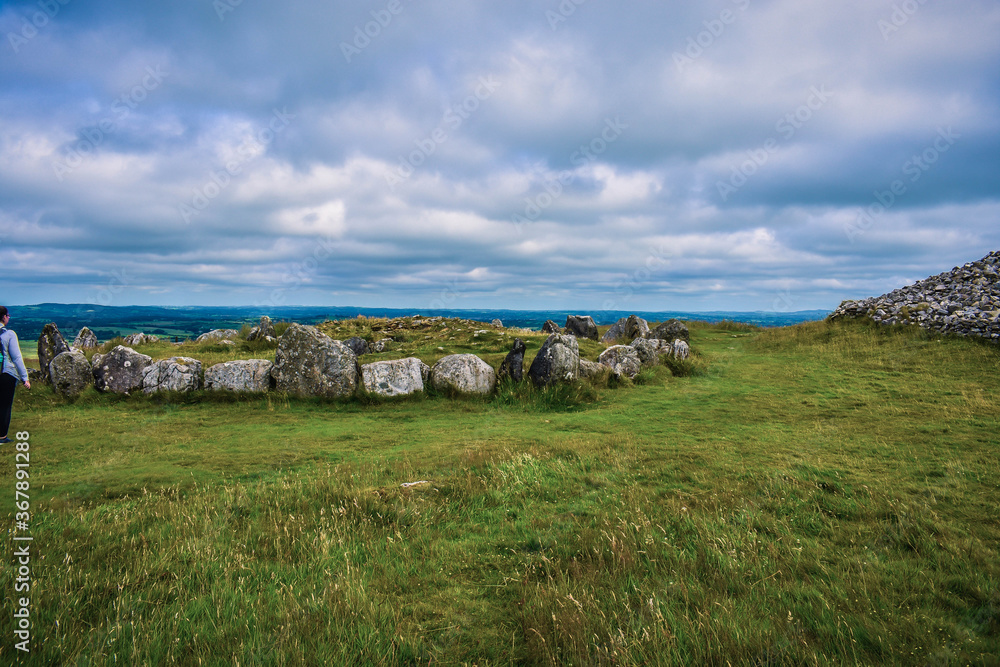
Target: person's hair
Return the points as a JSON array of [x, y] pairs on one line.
[[3, 312]]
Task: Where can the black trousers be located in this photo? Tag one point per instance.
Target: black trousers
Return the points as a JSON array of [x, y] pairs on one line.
[[8, 383]]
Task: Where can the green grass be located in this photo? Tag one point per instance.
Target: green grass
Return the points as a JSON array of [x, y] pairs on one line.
[[819, 494]]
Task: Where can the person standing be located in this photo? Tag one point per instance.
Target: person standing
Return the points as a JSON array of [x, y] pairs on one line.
[[13, 370]]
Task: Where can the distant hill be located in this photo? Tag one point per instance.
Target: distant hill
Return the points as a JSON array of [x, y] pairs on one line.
[[190, 321]]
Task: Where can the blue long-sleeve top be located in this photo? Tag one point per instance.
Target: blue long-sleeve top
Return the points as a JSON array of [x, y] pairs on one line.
[[13, 363]]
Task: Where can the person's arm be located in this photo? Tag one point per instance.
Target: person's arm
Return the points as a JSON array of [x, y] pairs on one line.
[[14, 352]]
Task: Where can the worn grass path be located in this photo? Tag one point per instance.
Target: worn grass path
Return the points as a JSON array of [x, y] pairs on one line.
[[820, 494]]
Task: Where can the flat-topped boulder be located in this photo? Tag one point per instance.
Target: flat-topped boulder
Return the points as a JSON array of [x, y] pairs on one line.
[[558, 360], [251, 375], [70, 373], [120, 371], [622, 360], [398, 377], [173, 374], [463, 374], [310, 363]]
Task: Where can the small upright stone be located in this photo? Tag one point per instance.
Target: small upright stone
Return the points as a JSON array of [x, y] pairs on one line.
[[50, 344], [513, 364], [497, 323], [263, 331], [85, 339], [550, 327]]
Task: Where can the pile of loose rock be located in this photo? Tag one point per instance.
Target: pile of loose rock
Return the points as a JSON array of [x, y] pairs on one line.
[[307, 362], [963, 301]]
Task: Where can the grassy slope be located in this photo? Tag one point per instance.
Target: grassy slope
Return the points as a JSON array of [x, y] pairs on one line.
[[819, 494]]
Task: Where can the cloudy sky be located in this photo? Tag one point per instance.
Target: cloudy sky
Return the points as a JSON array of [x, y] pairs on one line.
[[582, 154]]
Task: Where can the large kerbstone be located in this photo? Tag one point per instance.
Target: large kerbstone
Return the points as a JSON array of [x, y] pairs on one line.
[[120, 370], [397, 377], [463, 373], [557, 361], [70, 373], [581, 326], [622, 360], [173, 374], [310, 363], [241, 375]]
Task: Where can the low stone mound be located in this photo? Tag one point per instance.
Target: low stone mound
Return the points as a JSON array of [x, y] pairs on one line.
[[964, 301], [398, 377], [252, 375], [463, 374], [120, 371], [173, 374]]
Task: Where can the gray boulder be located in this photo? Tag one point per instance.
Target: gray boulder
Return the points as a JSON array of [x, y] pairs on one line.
[[173, 374], [681, 350], [398, 377], [263, 331], [649, 350], [70, 373], [590, 369], [217, 335], [381, 345], [86, 340], [557, 361], [622, 360], [464, 374], [581, 326], [550, 327], [310, 363], [670, 331], [358, 345], [497, 323], [626, 328], [120, 370], [513, 364], [139, 339], [50, 344], [253, 375]]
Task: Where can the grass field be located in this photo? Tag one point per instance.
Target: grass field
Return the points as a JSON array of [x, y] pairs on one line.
[[827, 493]]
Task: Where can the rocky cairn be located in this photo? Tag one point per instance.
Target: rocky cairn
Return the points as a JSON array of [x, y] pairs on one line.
[[964, 301]]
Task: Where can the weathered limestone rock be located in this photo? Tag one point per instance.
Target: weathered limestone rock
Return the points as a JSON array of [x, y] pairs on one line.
[[626, 328], [85, 340], [358, 345], [463, 373], [310, 363], [173, 374], [670, 331], [513, 364], [557, 361], [550, 327], [70, 373], [381, 345], [252, 375], [590, 369], [397, 377], [581, 326], [649, 350], [263, 331], [139, 339], [622, 360], [217, 335], [50, 344], [119, 371], [497, 323], [680, 350]]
